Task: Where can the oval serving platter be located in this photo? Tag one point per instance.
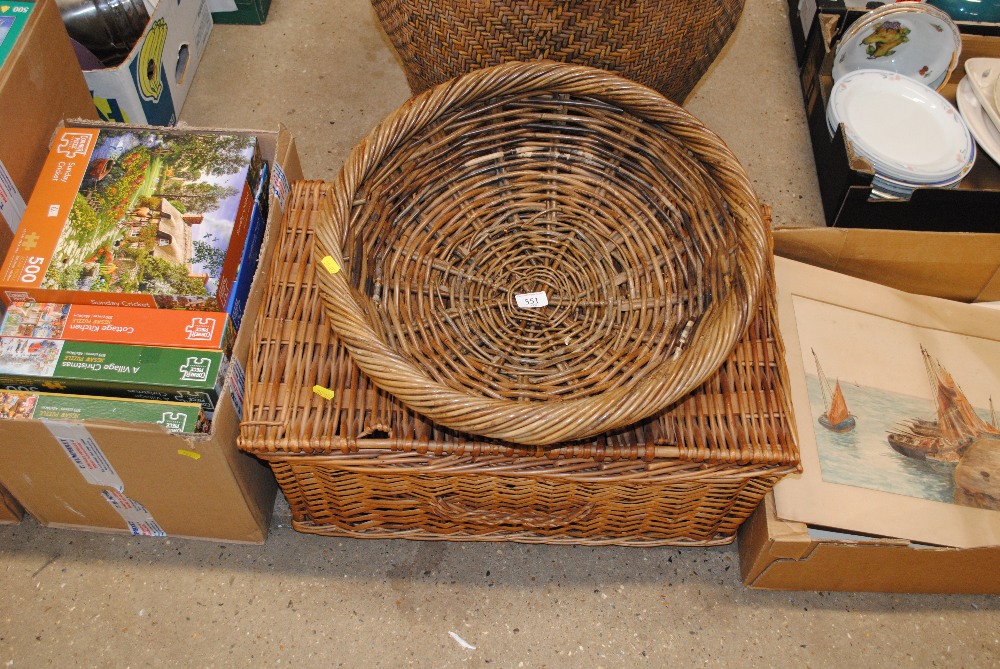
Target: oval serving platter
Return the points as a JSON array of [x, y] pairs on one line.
[[909, 131]]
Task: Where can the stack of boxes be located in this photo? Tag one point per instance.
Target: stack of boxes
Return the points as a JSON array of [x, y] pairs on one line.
[[126, 283], [109, 297]]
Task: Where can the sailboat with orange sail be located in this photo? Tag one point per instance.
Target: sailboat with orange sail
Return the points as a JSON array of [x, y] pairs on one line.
[[956, 427], [836, 418]]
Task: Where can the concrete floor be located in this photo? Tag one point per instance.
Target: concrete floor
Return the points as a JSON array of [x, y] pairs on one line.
[[73, 599]]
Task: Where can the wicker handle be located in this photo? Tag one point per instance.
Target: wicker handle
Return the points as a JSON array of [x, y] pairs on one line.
[[452, 511]]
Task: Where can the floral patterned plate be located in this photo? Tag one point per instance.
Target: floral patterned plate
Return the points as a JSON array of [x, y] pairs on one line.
[[908, 131]]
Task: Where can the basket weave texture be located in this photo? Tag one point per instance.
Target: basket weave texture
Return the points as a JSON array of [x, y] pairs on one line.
[[361, 464], [634, 220], [664, 44]]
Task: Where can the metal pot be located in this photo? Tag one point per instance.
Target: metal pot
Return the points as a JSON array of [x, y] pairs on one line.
[[108, 28]]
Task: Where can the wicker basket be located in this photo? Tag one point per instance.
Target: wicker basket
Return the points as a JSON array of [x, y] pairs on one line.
[[541, 181], [664, 44], [361, 464]]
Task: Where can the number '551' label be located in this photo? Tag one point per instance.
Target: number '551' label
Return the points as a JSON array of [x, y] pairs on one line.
[[531, 300]]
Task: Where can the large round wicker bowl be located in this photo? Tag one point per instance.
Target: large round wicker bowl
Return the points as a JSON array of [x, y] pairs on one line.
[[664, 44], [486, 196]]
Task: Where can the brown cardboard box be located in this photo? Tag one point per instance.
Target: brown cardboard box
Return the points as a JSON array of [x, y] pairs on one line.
[[780, 555], [40, 84], [151, 84], [953, 265], [198, 486], [10, 511]]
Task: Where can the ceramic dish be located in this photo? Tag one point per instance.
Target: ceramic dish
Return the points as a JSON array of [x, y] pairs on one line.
[[910, 132], [980, 124], [907, 187], [904, 178], [915, 40], [983, 75], [890, 188], [996, 95]]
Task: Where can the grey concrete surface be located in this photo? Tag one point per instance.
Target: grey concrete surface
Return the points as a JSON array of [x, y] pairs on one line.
[[75, 599]]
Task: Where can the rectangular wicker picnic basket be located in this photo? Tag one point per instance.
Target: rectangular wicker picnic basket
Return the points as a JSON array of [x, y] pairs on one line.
[[353, 461]]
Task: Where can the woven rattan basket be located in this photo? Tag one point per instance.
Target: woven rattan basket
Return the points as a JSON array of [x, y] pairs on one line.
[[541, 181], [353, 461], [664, 44]]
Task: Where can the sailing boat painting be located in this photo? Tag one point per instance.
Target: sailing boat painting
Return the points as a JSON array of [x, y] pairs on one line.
[[956, 427], [899, 408], [836, 418]]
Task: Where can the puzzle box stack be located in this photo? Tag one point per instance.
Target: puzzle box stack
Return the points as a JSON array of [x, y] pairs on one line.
[[124, 292], [130, 270]]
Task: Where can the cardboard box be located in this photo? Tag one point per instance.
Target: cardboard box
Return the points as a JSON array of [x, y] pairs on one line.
[[150, 86], [249, 12], [198, 486], [11, 511], [845, 179], [40, 85], [802, 20], [136, 217], [173, 416], [780, 555], [953, 265], [116, 370]]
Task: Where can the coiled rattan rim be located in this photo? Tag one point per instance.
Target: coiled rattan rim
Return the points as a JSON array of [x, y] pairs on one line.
[[555, 421]]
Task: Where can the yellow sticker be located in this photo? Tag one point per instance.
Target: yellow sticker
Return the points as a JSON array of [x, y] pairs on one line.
[[190, 454], [325, 393], [330, 264]]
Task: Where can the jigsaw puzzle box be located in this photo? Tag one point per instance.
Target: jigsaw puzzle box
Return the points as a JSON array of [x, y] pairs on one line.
[[183, 417], [148, 327], [140, 372], [115, 325], [137, 217]]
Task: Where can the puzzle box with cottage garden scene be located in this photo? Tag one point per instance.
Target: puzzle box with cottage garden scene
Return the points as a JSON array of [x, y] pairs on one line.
[[136, 217]]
